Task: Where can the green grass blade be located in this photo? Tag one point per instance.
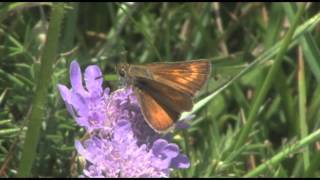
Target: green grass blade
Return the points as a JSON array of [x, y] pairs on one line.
[[9, 131], [7, 121], [142, 30], [284, 154], [310, 47], [40, 96], [314, 166], [69, 30], [287, 102], [302, 110], [268, 81], [314, 106]]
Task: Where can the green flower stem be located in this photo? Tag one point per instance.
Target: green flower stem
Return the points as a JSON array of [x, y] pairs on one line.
[[269, 79], [41, 93], [284, 154]]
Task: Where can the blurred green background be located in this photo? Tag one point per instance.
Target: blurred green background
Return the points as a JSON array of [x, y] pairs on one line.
[[258, 116]]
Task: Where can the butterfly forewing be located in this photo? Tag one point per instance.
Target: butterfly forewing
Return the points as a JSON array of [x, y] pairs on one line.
[[165, 95], [187, 77]]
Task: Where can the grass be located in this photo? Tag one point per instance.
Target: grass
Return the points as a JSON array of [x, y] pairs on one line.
[[258, 116]]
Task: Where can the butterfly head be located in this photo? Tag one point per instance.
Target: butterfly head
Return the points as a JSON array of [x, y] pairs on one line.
[[122, 70]]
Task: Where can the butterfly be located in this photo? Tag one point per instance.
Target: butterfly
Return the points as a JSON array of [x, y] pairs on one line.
[[165, 90]]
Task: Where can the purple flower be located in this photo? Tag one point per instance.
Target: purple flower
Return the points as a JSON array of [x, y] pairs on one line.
[[121, 143], [120, 155]]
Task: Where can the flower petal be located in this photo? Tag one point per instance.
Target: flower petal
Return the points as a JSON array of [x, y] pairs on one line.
[[158, 145], [79, 147], [64, 92], [181, 161], [80, 105], [171, 150], [76, 78], [82, 121], [93, 79], [106, 92], [66, 96]]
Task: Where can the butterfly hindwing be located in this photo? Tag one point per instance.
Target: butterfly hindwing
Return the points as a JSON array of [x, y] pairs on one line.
[[158, 117], [165, 95]]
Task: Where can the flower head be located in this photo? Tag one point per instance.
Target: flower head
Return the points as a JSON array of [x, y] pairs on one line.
[[121, 143], [120, 155]]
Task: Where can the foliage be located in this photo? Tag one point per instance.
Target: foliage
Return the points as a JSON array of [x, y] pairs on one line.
[[258, 116]]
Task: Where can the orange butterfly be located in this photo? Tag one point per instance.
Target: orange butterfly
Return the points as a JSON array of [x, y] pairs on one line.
[[165, 90]]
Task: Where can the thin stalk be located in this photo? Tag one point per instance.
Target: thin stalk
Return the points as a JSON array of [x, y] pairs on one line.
[[41, 93]]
